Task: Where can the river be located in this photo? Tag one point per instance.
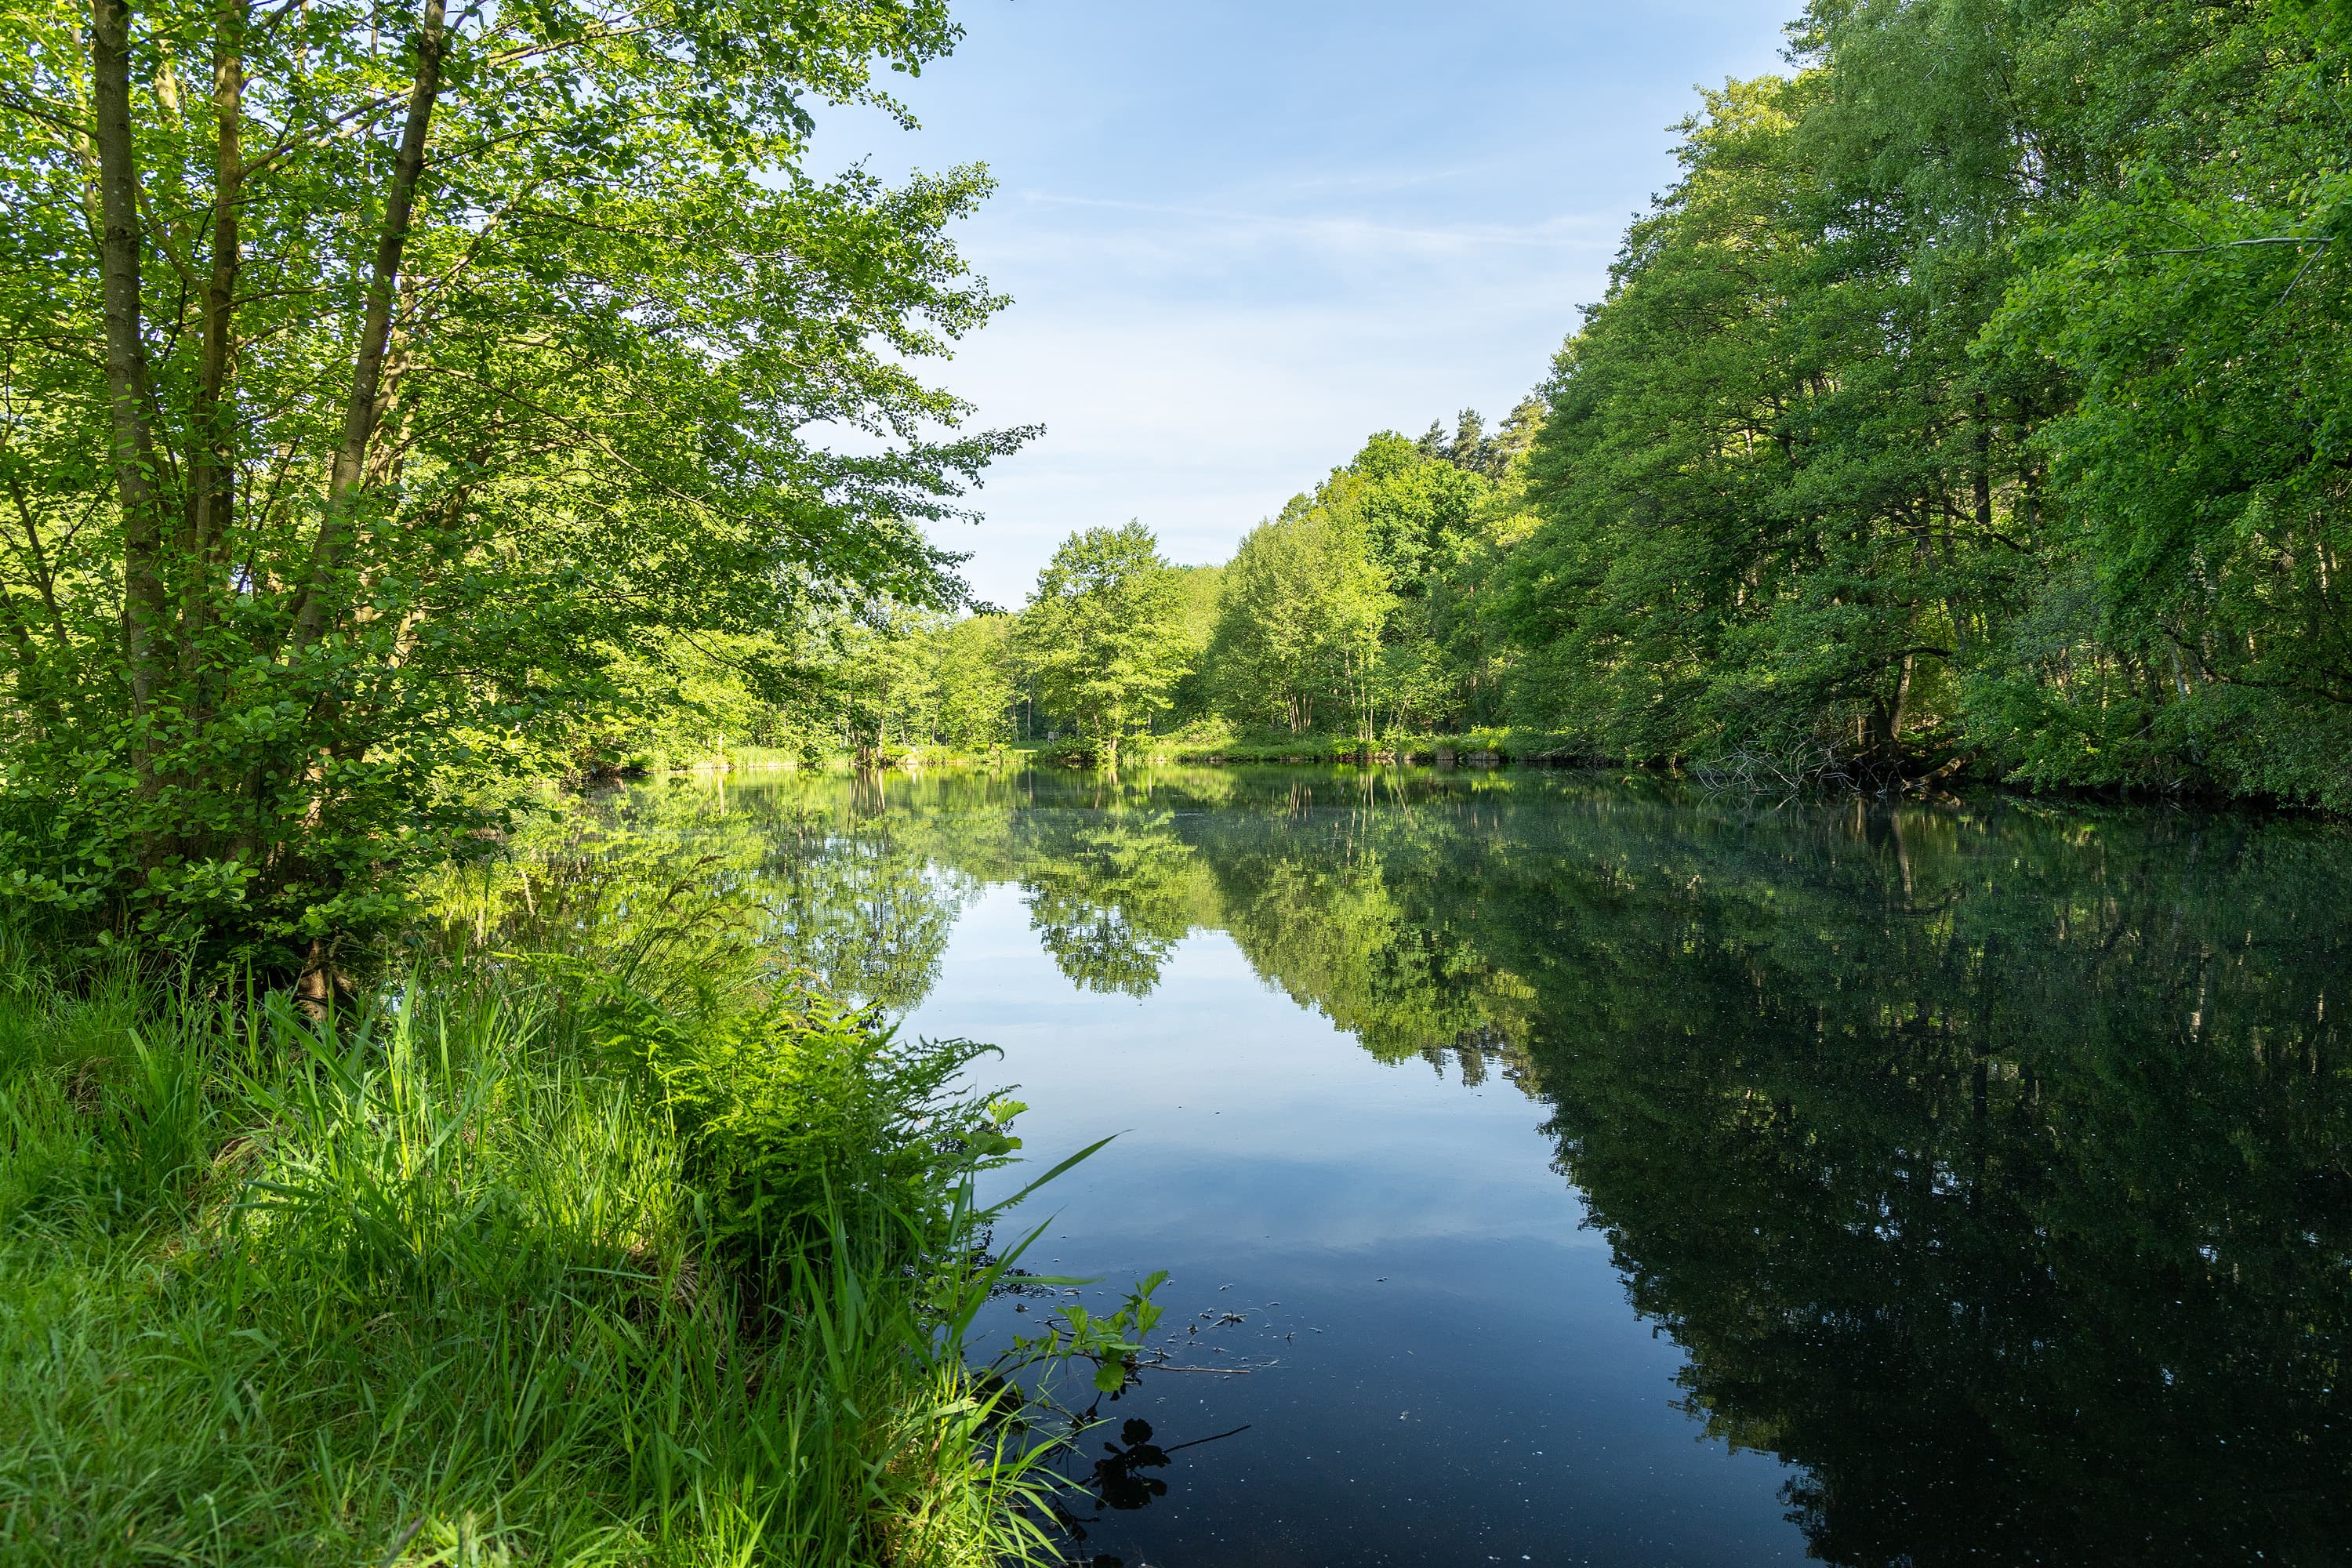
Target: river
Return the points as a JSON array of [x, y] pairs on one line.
[[1562, 1168]]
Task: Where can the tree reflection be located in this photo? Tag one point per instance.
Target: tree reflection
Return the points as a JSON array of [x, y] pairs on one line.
[[1991, 1170], [1110, 896], [1992, 1165], [824, 878]]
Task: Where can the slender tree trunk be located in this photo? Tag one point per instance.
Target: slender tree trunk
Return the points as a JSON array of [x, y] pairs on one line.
[[44, 577], [1982, 479], [214, 455], [146, 604], [365, 406]]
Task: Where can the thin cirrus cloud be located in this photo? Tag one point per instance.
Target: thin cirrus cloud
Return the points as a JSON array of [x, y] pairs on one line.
[[1240, 239]]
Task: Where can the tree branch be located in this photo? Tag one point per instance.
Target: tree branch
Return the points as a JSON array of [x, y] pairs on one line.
[[365, 406], [214, 487]]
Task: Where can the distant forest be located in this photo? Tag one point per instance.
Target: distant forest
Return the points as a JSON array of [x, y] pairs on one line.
[[1978, 398]]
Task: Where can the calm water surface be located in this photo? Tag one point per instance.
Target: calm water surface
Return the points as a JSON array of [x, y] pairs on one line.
[[1572, 1169]]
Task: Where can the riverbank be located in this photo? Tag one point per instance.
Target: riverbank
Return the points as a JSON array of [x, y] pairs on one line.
[[599, 1247]]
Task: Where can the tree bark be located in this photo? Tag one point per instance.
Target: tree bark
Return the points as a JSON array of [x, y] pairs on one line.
[[1980, 485], [365, 406], [214, 474], [145, 599], [1982, 481]]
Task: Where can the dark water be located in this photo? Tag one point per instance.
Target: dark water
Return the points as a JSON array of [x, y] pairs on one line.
[[1601, 1173]]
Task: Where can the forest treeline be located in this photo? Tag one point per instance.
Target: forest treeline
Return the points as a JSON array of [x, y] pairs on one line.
[[1347, 615], [1975, 399]]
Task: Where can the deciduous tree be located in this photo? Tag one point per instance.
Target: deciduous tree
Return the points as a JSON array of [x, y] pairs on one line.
[[373, 377], [1104, 634]]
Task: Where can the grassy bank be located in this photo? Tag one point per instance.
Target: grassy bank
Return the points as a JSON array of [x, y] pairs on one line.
[[584, 1255]]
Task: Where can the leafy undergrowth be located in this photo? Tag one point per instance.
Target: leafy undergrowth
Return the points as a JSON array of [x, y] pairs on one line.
[[538, 1261]]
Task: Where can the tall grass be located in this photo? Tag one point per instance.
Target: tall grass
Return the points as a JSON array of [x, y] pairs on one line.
[[566, 1260]]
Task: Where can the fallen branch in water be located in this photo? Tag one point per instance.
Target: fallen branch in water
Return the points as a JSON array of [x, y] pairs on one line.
[[1218, 1438]]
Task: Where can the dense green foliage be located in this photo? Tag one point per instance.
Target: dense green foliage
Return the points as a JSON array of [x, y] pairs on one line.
[[399, 407], [1974, 400], [387, 395], [1348, 613], [1978, 392], [1103, 637], [1971, 403], [402, 409]]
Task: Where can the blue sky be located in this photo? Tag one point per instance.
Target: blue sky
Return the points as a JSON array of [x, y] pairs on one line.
[[1242, 237]]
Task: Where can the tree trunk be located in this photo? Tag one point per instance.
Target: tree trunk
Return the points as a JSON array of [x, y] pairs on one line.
[[365, 407], [1902, 703], [1982, 481], [145, 601], [214, 478]]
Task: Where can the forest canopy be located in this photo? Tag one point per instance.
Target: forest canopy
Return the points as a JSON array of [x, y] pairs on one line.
[[1979, 392]]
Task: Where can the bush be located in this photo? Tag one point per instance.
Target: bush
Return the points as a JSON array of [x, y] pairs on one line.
[[806, 1112]]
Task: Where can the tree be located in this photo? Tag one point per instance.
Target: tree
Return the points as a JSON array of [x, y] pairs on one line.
[[373, 382], [1298, 618], [887, 679], [972, 673], [1970, 396], [1102, 635], [1407, 503], [1195, 695], [2201, 310]]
